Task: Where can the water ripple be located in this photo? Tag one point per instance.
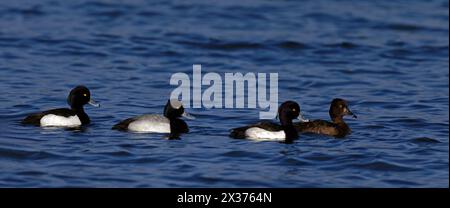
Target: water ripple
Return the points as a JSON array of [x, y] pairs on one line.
[[392, 67]]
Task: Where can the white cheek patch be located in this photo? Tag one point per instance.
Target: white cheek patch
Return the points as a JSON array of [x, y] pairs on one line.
[[149, 126], [259, 134], [52, 120]]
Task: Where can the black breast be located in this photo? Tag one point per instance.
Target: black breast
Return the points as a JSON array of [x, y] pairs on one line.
[[177, 127]]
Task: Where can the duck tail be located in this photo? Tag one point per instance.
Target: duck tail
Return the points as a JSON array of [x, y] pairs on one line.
[[123, 125], [33, 119], [238, 133]]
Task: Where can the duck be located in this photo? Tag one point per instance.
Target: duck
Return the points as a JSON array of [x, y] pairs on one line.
[[336, 128], [270, 131], [169, 122], [65, 117]]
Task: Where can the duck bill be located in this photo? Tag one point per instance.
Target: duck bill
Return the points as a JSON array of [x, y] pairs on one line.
[[350, 113], [301, 118], [93, 103], [188, 116]]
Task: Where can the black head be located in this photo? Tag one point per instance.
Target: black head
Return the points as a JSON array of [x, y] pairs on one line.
[[173, 109], [288, 111], [78, 97], [339, 108]]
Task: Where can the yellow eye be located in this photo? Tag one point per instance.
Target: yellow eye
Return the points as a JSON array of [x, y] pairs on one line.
[[85, 95], [293, 110]]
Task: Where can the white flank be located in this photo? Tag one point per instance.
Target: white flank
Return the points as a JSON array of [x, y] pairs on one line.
[[259, 134], [150, 124], [51, 120]]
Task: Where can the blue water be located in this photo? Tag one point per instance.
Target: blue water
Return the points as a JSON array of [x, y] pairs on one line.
[[389, 59]]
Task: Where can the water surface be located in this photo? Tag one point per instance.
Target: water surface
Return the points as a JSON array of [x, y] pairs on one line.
[[389, 59]]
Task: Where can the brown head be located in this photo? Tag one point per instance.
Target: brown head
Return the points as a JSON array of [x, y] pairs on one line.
[[339, 108]]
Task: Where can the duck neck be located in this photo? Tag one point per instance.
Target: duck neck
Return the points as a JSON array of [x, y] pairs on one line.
[[285, 121], [177, 127], [339, 121], [79, 110], [289, 129], [291, 133], [171, 118]]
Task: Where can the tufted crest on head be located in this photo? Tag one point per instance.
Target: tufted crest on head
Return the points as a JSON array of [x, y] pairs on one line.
[[79, 96]]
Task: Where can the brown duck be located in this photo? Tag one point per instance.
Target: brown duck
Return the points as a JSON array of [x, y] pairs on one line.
[[337, 128]]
